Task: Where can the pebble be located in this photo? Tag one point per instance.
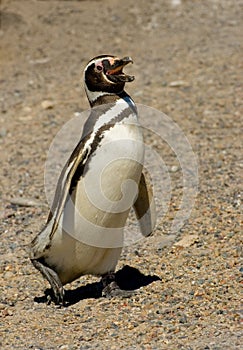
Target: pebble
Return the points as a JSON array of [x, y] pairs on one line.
[[187, 241], [178, 83], [47, 104], [27, 109], [174, 168], [26, 202], [43, 60]]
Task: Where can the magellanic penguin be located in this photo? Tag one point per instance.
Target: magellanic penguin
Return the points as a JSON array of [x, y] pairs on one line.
[[95, 192]]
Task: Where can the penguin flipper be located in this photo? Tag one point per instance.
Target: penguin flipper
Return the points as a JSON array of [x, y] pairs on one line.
[[73, 168], [144, 205]]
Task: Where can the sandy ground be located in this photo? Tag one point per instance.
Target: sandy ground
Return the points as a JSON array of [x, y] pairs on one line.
[[187, 63]]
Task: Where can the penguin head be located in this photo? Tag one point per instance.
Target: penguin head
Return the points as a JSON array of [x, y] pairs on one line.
[[104, 74]]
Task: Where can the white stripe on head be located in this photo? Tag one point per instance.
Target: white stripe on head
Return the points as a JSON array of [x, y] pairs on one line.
[[94, 95], [98, 60]]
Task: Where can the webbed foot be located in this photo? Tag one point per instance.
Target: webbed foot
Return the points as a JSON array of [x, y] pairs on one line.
[[53, 279], [111, 288]]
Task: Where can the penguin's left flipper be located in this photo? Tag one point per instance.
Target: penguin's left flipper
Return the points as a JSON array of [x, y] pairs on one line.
[[53, 279], [144, 205]]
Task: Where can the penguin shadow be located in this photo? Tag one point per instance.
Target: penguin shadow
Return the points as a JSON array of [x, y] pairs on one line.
[[128, 279]]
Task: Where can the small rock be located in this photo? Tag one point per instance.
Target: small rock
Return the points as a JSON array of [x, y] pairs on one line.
[[178, 83], [40, 60], [183, 318], [8, 275], [174, 168], [175, 2], [27, 109], [26, 118], [47, 104], [187, 241], [26, 202], [7, 312]]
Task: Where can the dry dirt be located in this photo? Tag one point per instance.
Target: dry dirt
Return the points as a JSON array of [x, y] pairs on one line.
[[187, 63]]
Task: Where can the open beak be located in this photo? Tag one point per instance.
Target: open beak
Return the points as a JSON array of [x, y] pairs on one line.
[[114, 72]]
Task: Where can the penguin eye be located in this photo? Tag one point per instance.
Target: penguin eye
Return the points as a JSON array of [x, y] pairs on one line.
[[99, 68]]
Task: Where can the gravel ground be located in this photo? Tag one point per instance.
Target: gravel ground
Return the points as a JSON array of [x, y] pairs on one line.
[[185, 286]]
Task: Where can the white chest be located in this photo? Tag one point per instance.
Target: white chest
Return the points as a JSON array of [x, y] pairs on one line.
[[97, 211]]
